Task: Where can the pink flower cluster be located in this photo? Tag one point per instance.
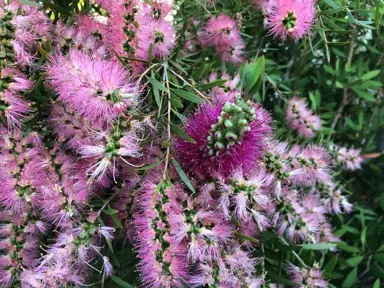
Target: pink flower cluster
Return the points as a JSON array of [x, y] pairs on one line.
[[70, 173], [307, 276], [302, 119], [84, 150], [21, 26], [222, 34], [288, 18], [246, 183], [350, 158]]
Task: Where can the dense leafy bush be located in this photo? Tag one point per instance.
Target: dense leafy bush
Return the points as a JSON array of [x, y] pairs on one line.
[[191, 144]]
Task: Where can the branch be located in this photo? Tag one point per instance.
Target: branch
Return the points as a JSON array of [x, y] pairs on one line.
[[345, 100]]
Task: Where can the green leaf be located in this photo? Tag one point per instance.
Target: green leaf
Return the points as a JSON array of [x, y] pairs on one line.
[[330, 266], [156, 84], [182, 175], [329, 70], [351, 279], [363, 94], [176, 102], [331, 4], [182, 134], [110, 211], [370, 75], [318, 246], [216, 83], [150, 166], [117, 221], [252, 73], [30, 3], [121, 282], [281, 280], [246, 237], [354, 261], [350, 123], [157, 96], [377, 284], [188, 96], [381, 248], [150, 54], [348, 248]]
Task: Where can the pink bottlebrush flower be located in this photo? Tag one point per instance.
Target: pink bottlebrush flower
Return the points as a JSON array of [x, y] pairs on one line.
[[29, 25], [245, 197], [290, 218], [163, 261], [157, 11], [233, 268], [325, 235], [13, 108], [333, 198], [107, 266], [223, 35], [351, 159], [67, 194], [301, 119], [117, 145], [14, 80], [21, 172], [71, 128], [219, 31], [307, 277], [221, 144], [290, 18], [314, 162], [97, 89], [160, 35], [122, 27], [232, 53]]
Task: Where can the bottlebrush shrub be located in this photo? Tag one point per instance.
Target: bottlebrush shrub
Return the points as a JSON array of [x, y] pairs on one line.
[[190, 144]]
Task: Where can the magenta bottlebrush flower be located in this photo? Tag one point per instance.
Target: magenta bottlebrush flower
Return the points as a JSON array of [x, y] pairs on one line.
[[232, 268], [21, 172], [227, 136], [29, 24], [13, 108], [351, 159], [219, 31], [19, 244], [307, 277], [314, 162], [244, 197], [110, 146], [334, 200], [67, 193], [97, 89], [155, 12], [160, 35], [223, 35], [292, 219], [290, 18], [301, 119], [163, 261]]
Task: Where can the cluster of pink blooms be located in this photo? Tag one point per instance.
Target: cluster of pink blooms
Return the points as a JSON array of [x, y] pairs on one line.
[[49, 179], [288, 18], [307, 276], [246, 183], [90, 141], [301, 119], [223, 34], [350, 158]]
